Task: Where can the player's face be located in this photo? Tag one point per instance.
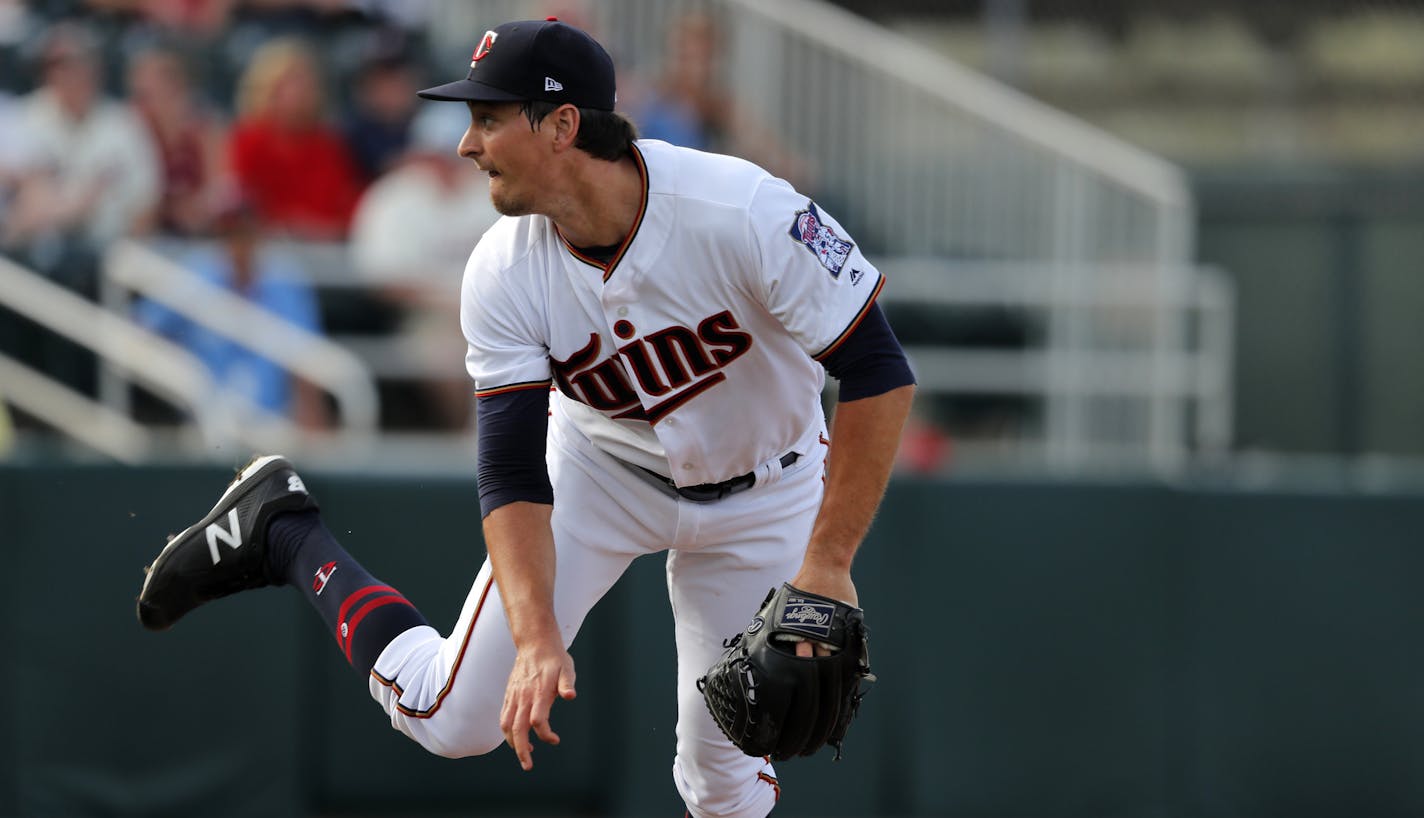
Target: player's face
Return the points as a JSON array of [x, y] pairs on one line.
[[500, 141]]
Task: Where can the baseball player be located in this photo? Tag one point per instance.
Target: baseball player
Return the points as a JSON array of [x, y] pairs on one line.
[[649, 329]]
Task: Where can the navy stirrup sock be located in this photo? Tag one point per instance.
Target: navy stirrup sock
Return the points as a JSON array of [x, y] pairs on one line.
[[363, 613]]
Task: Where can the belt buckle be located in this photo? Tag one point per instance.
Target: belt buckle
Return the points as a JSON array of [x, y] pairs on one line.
[[711, 492], [705, 493]]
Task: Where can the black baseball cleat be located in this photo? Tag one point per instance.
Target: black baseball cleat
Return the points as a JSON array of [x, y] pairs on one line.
[[226, 551]]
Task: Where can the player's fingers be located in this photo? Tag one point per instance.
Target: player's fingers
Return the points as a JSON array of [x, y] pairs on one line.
[[539, 714], [803, 649], [514, 723], [506, 717], [566, 683], [519, 736]]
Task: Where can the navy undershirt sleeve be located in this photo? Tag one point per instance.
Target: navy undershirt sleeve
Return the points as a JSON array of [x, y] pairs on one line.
[[869, 361], [510, 465]]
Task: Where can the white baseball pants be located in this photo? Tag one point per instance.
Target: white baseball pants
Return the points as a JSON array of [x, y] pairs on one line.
[[446, 693]]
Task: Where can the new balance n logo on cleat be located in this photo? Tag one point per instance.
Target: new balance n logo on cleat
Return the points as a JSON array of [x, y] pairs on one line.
[[232, 535], [294, 483]]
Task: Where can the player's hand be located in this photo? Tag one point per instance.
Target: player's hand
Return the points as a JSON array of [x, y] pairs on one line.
[[831, 582], [540, 673]]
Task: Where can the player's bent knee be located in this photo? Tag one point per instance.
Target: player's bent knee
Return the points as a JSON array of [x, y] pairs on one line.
[[462, 748], [454, 738]]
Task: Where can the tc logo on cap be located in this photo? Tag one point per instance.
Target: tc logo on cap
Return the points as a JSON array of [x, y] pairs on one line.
[[482, 50]]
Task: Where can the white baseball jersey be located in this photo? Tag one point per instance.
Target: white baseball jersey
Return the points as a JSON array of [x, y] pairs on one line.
[[695, 351], [692, 353]]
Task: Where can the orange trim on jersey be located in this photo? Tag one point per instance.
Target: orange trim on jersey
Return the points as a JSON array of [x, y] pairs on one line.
[[860, 316], [514, 387], [775, 785], [454, 669], [628, 239]]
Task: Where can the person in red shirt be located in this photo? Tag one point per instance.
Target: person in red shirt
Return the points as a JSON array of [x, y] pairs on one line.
[[295, 168]]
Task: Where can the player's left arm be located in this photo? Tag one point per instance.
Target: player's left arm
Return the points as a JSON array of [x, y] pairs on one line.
[[865, 435], [822, 288], [876, 390]]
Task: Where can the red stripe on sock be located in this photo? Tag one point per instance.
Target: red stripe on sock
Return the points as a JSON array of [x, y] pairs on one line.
[[361, 612], [351, 600], [357, 595]]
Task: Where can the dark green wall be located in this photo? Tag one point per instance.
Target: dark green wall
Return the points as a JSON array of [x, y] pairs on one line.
[[1044, 649], [1329, 272]]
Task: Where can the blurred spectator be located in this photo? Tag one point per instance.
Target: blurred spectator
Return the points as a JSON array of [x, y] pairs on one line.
[[17, 155], [412, 234], [382, 107], [242, 263], [202, 18], [687, 105], [96, 168], [690, 105], [190, 142], [295, 168]]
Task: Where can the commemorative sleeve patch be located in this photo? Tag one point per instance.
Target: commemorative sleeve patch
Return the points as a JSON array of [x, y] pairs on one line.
[[820, 240]]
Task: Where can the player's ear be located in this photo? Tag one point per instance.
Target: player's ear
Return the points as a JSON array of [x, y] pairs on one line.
[[565, 120]]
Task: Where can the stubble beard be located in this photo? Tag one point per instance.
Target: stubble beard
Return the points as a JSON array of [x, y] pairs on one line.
[[507, 205]]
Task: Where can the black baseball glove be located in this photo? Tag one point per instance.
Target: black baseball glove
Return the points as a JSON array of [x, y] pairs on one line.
[[771, 702]]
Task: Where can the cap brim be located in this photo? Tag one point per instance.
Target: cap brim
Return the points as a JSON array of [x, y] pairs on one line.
[[468, 91]]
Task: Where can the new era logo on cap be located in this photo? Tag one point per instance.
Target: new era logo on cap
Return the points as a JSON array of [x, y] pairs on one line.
[[519, 61]]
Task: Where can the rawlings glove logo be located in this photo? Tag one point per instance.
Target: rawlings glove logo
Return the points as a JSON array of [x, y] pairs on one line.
[[807, 617]]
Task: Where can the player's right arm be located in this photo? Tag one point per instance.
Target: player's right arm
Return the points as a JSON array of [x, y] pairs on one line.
[[507, 357], [520, 542]]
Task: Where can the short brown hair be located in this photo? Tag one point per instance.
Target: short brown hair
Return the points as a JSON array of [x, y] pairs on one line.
[[602, 134]]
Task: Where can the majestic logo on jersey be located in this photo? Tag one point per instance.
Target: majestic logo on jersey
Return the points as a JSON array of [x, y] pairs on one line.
[[818, 237], [483, 48], [676, 361]]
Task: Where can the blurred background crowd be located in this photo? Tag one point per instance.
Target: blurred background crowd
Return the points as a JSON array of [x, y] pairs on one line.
[[275, 149]]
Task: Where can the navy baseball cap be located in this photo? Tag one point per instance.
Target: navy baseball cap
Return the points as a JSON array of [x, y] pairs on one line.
[[535, 59]]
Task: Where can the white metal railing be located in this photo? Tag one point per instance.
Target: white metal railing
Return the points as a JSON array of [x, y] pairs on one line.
[[77, 416], [137, 268], [169, 371], [1196, 378]]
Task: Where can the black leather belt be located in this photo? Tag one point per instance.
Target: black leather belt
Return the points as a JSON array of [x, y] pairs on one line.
[[708, 492]]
